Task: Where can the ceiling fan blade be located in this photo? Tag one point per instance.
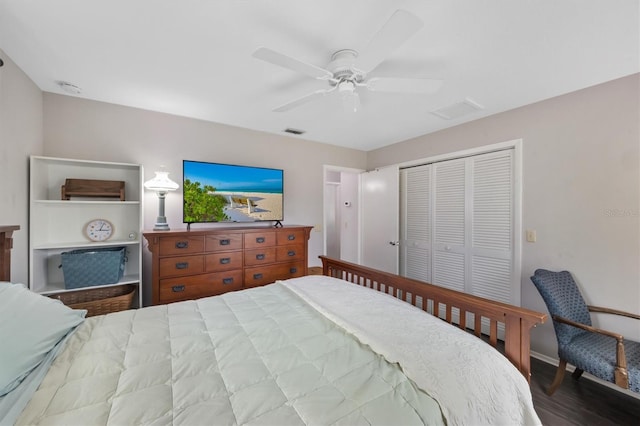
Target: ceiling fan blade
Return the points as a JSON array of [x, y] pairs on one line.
[[400, 26], [303, 100], [288, 62], [423, 86]]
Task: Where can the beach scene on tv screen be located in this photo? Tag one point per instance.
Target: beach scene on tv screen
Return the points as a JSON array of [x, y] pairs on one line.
[[228, 193]]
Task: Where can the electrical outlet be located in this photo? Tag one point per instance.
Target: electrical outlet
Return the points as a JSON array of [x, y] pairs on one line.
[[531, 235]]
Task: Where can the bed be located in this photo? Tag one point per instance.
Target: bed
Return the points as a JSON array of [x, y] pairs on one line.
[[310, 350]]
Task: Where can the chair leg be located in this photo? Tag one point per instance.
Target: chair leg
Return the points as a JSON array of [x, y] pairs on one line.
[[557, 381], [577, 373]]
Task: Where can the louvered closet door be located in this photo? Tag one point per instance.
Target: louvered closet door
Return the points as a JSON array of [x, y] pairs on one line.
[[492, 260], [458, 225], [415, 231], [449, 224]]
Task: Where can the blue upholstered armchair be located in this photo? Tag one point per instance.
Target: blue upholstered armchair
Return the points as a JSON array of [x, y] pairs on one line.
[[602, 353]]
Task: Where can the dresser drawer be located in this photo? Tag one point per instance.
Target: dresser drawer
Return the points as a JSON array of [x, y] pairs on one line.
[[259, 256], [259, 239], [290, 237], [223, 261], [181, 245], [220, 242], [181, 265], [292, 252], [261, 275], [196, 286]]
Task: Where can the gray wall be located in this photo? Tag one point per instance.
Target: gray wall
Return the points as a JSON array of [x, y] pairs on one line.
[[581, 191], [20, 136], [78, 128], [37, 123]]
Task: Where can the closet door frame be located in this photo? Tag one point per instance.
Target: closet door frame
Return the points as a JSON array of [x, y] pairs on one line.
[[517, 146]]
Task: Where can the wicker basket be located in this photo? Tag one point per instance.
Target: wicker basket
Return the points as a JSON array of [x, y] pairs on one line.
[[99, 301]]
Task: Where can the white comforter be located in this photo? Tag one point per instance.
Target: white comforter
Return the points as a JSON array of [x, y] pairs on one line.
[[265, 356], [472, 382]]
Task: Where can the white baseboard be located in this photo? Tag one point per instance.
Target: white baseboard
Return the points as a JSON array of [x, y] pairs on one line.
[[554, 362]]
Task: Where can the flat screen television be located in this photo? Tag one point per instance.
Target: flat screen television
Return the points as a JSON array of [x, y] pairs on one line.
[[214, 192]]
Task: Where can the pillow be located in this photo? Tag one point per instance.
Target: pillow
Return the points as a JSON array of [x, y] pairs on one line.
[[30, 326]]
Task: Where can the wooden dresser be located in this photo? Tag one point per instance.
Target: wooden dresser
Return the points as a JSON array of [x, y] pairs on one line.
[[206, 262]]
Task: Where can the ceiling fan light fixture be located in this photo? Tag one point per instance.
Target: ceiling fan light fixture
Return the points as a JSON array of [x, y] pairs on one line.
[[346, 86], [350, 99]]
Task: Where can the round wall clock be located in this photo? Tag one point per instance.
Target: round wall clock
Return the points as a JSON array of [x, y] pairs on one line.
[[98, 230]]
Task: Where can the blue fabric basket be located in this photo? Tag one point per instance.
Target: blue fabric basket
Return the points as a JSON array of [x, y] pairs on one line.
[[91, 267]]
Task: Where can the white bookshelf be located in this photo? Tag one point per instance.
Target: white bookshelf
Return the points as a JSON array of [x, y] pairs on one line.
[[57, 226]]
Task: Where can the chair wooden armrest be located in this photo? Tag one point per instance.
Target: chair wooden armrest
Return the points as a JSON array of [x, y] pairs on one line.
[[590, 328], [612, 311], [621, 375]]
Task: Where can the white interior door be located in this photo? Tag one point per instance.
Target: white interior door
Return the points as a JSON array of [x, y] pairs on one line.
[[331, 220], [379, 218]]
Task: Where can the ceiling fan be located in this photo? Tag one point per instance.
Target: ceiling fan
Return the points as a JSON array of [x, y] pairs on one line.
[[348, 70]]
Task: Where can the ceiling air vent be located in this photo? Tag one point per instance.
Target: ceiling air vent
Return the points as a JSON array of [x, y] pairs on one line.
[[293, 131], [467, 106]]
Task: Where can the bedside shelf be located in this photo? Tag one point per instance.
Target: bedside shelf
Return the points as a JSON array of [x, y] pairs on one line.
[[85, 244], [86, 202], [58, 287], [57, 225]]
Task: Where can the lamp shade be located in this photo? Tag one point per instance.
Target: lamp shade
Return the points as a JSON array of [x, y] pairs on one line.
[[161, 183]]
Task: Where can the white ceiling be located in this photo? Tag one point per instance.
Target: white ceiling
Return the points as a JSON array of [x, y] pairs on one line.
[[193, 57]]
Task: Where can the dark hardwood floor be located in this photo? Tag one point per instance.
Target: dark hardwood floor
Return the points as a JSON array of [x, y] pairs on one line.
[[582, 402]]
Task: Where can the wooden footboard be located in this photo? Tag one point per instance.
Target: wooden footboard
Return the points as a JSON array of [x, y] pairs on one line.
[[449, 304]]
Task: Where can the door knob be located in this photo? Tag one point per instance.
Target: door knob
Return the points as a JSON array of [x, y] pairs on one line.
[[394, 243]]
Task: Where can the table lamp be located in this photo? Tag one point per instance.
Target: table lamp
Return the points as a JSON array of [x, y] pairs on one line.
[[161, 184]]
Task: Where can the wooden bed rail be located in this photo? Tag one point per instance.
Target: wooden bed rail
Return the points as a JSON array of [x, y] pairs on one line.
[[451, 306]]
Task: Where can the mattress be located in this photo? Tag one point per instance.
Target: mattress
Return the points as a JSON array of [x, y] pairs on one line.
[[310, 350]]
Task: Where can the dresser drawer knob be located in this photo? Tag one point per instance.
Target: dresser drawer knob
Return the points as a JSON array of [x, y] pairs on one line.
[[291, 237], [227, 281], [177, 288], [260, 256], [225, 260], [225, 242], [182, 265], [293, 270], [257, 276], [182, 244], [291, 253], [260, 240]]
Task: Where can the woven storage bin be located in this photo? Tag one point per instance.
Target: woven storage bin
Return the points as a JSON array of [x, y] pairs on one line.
[[89, 267], [99, 301]]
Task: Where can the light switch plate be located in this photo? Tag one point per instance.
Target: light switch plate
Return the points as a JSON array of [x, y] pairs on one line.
[[531, 235]]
